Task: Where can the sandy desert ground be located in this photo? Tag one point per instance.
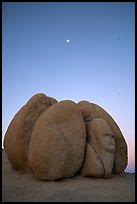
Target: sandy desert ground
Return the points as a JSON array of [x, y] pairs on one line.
[[17, 187]]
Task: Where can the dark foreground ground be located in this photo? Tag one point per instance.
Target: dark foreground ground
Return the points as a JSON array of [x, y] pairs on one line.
[[17, 187]]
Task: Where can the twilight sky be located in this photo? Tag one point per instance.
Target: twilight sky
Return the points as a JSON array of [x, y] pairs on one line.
[[97, 64]]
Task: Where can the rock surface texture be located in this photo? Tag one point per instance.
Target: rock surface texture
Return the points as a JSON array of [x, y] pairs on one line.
[[57, 140]]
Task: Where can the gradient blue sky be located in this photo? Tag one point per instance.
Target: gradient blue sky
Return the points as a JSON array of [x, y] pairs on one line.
[[98, 64]]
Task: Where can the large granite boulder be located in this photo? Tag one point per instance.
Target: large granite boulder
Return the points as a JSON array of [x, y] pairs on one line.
[[57, 144], [56, 140], [18, 134], [91, 111], [99, 158]]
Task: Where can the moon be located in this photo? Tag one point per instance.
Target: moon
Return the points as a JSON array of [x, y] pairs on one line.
[[68, 41]]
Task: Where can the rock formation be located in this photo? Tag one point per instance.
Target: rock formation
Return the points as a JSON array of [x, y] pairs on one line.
[[99, 158], [91, 111], [56, 140], [18, 134], [57, 144]]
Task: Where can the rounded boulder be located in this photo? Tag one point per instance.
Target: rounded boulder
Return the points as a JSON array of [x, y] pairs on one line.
[[91, 111], [17, 137], [58, 140]]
